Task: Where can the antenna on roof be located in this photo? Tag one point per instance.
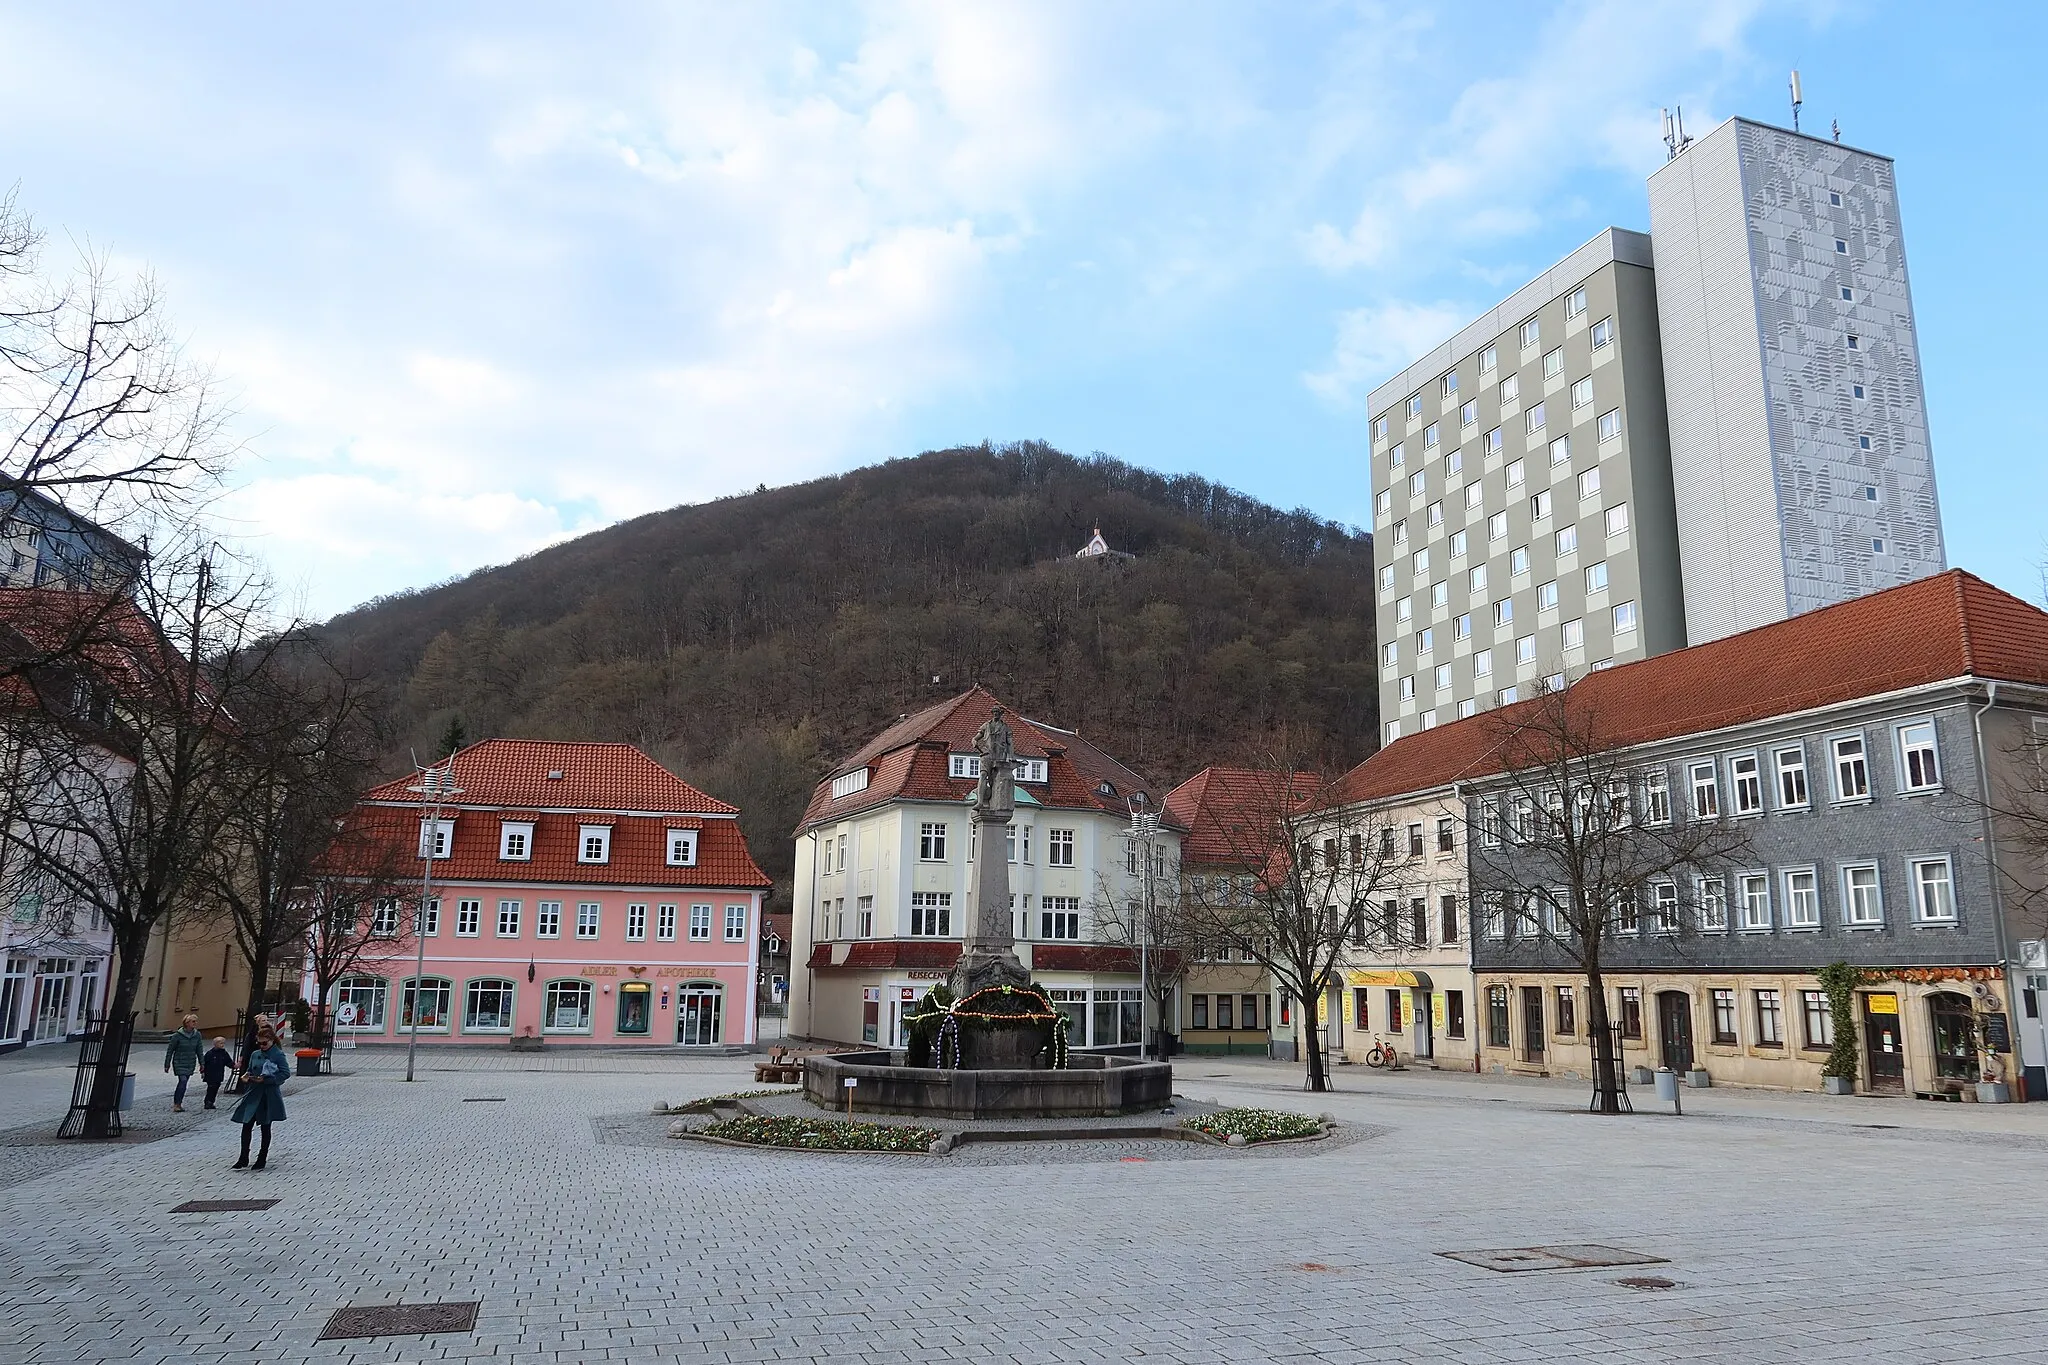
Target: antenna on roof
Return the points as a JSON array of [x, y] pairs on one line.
[[1837, 129], [1796, 100], [1675, 140]]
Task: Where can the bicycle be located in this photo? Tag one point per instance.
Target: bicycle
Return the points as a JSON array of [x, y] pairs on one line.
[[1383, 1056]]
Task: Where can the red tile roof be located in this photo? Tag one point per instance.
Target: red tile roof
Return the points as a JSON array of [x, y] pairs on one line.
[[931, 955], [1217, 801], [908, 761], [507, 779], [1951, 625], [594, 777], [1096, 957]]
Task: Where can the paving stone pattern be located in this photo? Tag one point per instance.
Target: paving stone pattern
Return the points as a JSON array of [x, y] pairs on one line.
[[1796, 1237]]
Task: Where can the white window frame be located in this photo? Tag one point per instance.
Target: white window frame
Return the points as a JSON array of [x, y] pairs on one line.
[[442, 835], [931, 841], [1610, 425], [555, 990], [1797, 917], [1582, 392], [1862, 761], [931, 914], [1603, 332], [1656, 794], [1780, 770], [1850, 897], [508, 914], [1943, 914], [469, 918], [636, 922], [1745, 883], [665, 917], [547, 919], [594, 844], [682, 848], [515, 841], [735, 922], [1740, 806], [1710, 896], [589, 919], [1905, 754], [1712, 786], [700, 922]]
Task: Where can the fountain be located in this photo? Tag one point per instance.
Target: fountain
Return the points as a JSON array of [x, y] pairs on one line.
[[989, 1042]]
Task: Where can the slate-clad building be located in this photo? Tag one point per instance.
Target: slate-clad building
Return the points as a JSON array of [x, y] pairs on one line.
[[1860, 748]]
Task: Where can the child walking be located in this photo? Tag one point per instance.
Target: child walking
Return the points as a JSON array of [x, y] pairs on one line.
[[213, 1067], [263, 1103]]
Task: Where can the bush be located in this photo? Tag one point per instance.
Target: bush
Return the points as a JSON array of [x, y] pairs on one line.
[[1840, 981], [1255, 1125], [823, 1135]]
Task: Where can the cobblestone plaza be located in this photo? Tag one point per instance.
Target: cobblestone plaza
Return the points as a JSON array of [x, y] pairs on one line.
[[1789, 1227]]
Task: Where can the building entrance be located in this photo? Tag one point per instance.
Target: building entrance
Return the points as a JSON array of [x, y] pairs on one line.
[[53, 1000], [1955, 1036], [1532, 1022], [1884, 1047], [700, 1014], [1674, 1029]]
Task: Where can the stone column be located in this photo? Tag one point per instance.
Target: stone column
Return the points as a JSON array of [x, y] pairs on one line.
[[989, 955]]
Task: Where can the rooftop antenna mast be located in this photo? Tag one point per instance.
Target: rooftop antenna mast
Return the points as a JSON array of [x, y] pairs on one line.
[[1796, 100], [1675, 140]]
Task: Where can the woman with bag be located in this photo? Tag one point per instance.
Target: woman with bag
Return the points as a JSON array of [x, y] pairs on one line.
[[263, 1101]]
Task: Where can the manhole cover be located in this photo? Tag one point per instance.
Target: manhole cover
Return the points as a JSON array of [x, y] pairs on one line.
[[1573, 1257], [223, 1205], [1647, 1282], [484, 1099], [399, 1320]]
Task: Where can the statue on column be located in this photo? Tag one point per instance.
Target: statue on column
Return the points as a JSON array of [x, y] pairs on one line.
[[996, 792]]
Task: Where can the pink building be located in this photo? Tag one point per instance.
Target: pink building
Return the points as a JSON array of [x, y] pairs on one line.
[[581, 893]]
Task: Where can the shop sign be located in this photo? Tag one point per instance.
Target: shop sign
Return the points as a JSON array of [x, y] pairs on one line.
[[679, 971], [1881, 1004], [926, 976], [595, 970], [1997, 1032]]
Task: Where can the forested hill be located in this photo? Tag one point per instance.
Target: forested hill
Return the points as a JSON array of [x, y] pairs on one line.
[[752, 641]]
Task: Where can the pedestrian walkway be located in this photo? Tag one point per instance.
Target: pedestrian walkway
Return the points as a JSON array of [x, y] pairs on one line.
[[1784, 1232]]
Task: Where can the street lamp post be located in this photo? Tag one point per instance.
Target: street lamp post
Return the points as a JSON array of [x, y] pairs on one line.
[[1144, 830], [436, 782]]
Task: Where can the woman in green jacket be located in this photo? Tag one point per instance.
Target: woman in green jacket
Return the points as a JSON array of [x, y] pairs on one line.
[[182, 1056], [263, 1102]]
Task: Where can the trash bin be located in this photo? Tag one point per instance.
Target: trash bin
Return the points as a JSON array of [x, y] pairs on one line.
[[309, 1066], [1667, 1085], [127, 1091]]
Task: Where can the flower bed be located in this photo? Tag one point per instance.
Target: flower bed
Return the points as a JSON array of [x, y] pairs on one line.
[[822, 1135], [1255, 1125]]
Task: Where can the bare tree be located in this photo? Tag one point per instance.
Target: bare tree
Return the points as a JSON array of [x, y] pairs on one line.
[[1297, 886], [1571, 846], [1165, 924], [352, 914], [99, 407], [128, 770], [306, 744]]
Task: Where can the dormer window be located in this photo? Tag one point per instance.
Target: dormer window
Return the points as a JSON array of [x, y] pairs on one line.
[[1106, 789], [846, 784], [595, 845], [682, 848], [963, 765], [515, 841], [1031, 770], [435, 837]]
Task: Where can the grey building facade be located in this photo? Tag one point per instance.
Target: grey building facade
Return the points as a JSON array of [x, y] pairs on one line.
[[1523, 523], [1799, 440]]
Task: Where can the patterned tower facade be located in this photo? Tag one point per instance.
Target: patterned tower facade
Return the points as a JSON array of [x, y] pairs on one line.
[[1800, 460]]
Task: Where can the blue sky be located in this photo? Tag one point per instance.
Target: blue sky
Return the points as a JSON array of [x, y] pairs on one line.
[[486, 276]]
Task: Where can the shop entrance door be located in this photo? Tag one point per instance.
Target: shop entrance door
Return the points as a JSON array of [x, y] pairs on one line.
[[1425, 1028], [1674, 1028], [1532, 1022], [1884, 1047], [53, 1002], [700, 1012], [1955, 1042]]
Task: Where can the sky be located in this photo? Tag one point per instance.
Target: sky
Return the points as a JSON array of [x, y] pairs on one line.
[[483, 277]]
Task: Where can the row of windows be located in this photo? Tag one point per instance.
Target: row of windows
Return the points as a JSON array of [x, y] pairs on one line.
[[548, 917], [1614, 521], [515, 842], [1766, 1016], [1516, 471], [1530, 335], [488, 1004], [1407, 922], [1229, 1012], [1058, 918], [932, 840], [1760, 900]]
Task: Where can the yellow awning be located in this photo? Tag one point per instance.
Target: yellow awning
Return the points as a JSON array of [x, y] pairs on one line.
[[1388, 977]]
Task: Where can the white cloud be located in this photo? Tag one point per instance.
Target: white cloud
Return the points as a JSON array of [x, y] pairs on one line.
[[1373, 343]]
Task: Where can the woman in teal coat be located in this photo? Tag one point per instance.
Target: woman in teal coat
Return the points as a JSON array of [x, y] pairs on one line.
[[263, 1102]]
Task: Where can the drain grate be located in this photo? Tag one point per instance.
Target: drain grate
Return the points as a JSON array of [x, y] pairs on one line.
[[1580, 1256], [223, 1205], [1647, 1282], [483, 1099], [399, 1320]]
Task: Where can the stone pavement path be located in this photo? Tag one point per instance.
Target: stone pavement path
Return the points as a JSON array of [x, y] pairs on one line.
[[1798, 1236]]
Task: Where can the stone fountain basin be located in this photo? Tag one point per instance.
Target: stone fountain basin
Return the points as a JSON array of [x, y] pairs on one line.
[[1092, 1086]]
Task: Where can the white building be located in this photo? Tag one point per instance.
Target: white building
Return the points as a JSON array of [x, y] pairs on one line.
[[885, 877]]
